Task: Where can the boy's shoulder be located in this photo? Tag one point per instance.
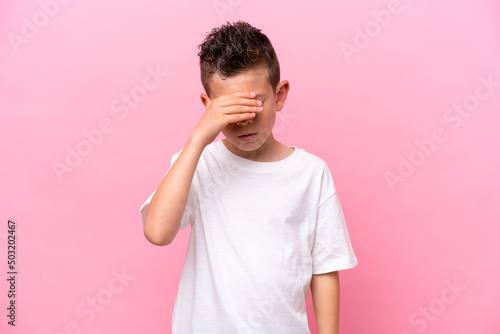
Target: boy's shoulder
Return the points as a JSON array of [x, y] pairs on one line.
[[309, 159], [312, 159]]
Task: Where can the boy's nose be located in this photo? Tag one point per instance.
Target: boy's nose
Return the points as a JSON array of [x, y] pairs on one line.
[[242, 123]]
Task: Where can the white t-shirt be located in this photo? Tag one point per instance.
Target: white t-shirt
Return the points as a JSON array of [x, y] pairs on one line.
[[259, 230]]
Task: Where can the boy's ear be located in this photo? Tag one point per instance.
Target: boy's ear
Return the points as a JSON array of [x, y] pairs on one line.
[[281, 94], [205, 100]]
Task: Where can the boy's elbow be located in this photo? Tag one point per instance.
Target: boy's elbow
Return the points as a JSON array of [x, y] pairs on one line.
[[157, 238]]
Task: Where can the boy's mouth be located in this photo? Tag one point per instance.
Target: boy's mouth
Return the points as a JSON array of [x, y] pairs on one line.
[[248, 137]]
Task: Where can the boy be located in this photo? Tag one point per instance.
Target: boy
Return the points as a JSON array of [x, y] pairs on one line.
[[266, 221]]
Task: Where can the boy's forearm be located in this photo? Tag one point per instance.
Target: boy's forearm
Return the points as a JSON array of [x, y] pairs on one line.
[[325, 291], [167, 206]]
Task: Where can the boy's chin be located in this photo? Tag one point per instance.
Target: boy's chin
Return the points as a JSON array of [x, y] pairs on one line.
[[244, 146]]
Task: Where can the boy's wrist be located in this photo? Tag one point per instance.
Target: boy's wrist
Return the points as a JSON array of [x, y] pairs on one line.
[[197, 141]]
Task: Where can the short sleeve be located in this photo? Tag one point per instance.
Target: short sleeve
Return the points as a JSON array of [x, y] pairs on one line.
[[189, 211], [332, 249]]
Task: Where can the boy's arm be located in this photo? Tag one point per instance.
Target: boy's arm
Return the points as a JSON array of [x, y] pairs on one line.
[[166, 208], [165, 211], [325, 291]]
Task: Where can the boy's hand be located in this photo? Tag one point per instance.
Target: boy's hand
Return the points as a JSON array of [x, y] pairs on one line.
[[225, 109]]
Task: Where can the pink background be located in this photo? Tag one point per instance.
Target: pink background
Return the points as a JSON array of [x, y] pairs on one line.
[[363, 113]]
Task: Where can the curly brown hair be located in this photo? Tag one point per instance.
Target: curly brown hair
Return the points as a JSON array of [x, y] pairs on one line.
[[233, 48]]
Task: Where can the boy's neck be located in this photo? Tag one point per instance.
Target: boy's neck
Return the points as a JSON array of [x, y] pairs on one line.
[[271, 151]]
